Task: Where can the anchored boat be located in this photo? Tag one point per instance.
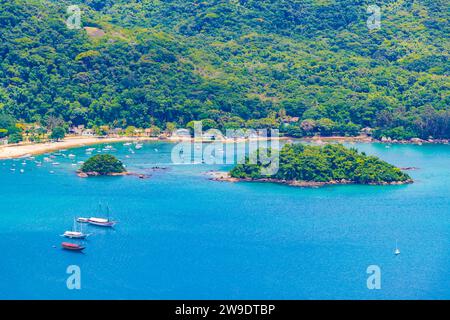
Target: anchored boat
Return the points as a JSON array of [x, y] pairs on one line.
[[102, 222], [74, 234], [72, 246], [397, 250]]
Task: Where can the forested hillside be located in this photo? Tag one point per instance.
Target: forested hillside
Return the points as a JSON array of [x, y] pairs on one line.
[[235, 62]]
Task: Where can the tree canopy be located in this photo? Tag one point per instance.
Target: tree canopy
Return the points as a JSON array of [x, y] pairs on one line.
[[298, 162], [58, 133], [103, 164], [232, 63]]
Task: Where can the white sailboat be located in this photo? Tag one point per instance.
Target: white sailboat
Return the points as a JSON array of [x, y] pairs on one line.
[[102, 222], [74, 234], [397, 250]]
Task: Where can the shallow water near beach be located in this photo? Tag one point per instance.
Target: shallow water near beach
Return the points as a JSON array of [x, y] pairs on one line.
[[181, 236]]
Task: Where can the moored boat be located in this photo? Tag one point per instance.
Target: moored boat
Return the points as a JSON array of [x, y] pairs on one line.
[[397, 250], [83, 220], [75, 234], [101, 222], [72, 246]]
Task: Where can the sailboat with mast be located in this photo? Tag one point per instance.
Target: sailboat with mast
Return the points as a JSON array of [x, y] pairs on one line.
[[397, 250], [102, 222], [74, 234]]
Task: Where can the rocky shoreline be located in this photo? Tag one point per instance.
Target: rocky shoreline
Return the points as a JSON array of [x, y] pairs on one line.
[[115, 174], [225, 177], [368, 139], [413, 141]]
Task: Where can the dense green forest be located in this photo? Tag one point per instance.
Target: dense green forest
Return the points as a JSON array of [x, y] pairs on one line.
[[103, 164], [233, 63], [299, 162]]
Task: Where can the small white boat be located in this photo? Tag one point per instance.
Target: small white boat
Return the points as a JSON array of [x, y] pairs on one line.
[[71, 156], [138, 146], [397, 250], [22, 171], [127, 144], [56, 163], [83, 220], [74, 234]]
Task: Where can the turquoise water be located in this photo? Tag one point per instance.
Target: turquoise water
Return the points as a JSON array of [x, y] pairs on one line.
[[182, 236]]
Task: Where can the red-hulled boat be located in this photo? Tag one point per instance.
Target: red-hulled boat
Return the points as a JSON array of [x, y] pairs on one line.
[[72, 246]]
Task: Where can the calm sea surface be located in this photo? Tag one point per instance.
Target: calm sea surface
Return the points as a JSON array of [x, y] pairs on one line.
[[182, 236]]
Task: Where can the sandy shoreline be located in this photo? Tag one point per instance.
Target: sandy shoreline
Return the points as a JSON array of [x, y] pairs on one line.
[[25, 149], [21, 150]]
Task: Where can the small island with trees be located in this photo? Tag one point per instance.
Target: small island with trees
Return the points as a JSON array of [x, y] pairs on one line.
[[314, 166], [102, 165]]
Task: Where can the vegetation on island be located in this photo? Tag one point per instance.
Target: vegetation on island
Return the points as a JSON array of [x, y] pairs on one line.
[[103, 164], [306, 67], [324, 164]]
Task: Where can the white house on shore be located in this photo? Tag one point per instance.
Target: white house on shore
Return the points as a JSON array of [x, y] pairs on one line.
[[88, 133], [367, 131]]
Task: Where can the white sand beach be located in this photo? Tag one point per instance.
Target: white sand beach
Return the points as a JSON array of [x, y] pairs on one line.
[[21, 150], [24, 149]]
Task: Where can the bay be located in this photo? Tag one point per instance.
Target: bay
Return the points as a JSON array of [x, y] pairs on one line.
[[181, 236]]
